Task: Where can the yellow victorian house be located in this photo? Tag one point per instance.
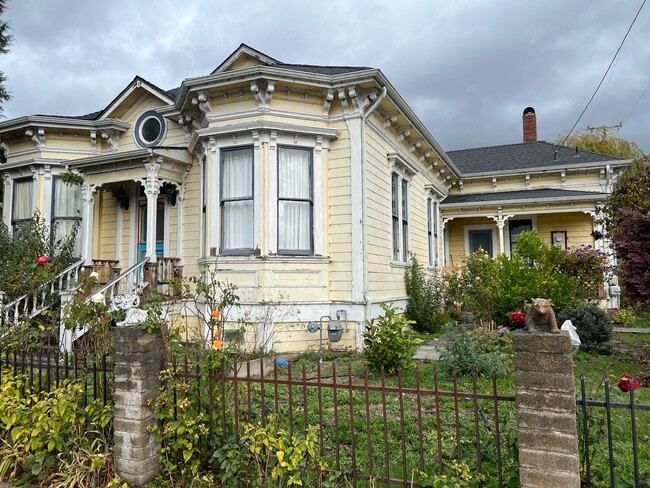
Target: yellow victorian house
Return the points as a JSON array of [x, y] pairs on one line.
[[306, 186], [533, 185]]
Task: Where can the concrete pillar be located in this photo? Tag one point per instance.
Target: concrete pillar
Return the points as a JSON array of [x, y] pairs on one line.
[[138, 360], [546, 410]]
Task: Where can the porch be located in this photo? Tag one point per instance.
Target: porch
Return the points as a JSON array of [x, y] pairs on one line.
[[132, 210]]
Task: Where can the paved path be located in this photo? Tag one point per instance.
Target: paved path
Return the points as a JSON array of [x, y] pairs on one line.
[[632, 330], [430, 350]]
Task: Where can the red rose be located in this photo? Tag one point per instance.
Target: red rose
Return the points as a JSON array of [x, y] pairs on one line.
[[42, 260], [625, 382], [518, 317]]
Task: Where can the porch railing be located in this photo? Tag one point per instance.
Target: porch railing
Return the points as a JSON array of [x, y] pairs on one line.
[[107, 269], [30, 305], [168, 270], [131, 281]]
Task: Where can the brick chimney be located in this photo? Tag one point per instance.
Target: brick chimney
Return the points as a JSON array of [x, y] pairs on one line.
[[530, 125]]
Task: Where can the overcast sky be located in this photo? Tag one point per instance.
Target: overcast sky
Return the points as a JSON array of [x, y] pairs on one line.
[[468, 68]]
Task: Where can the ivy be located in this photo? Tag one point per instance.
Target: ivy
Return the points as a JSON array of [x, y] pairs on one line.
[[70, 178]]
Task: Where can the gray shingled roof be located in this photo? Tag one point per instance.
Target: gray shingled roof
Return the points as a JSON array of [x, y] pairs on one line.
[[527, 195], [521, 156], [321, 70]]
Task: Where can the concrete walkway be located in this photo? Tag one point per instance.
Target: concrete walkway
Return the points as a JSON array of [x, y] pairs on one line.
[[430, 351], [631, 330]]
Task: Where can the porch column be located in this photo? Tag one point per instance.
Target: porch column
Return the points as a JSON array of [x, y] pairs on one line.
[[152, 189], [180, 204], [501, 220], [88, 217]]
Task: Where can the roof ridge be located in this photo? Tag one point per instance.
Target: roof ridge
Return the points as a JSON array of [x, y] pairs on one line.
[[501, 145], [322, 66]]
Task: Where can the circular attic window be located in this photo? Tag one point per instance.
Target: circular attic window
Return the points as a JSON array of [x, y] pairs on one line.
[[149, 129]]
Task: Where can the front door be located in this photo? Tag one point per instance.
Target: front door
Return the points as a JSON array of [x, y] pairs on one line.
[[516, 228], [142, 230]]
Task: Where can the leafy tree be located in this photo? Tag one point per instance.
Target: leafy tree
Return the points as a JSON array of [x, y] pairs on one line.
[[604, 142], [627, 216], [632, 243], [5, 40]]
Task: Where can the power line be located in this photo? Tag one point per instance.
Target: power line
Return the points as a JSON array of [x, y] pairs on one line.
[[637, 102], [605, 75]]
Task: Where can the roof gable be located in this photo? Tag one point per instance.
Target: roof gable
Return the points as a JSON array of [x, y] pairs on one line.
[[127, 94], [243, 57]]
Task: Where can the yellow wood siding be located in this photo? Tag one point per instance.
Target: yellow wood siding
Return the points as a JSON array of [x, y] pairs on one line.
[[578, 227], [338, 208]]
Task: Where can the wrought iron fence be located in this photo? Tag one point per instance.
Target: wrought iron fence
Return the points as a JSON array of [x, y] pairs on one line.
[[609, 432], [393, 430], [46, 369]]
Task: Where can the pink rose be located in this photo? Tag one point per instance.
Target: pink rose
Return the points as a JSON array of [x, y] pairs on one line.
[[42, 260]]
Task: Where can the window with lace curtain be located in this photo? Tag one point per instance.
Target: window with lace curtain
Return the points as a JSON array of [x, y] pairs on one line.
[[22, 204], [237, 202], [295, 201], [66, 211]]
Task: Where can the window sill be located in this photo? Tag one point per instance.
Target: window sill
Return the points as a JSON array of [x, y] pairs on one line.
[[271, 259], [399, 264]]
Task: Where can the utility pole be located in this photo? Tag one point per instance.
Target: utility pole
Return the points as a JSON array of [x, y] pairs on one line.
[[605, 129]]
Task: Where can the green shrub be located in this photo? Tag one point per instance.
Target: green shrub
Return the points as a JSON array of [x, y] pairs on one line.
[[19, 272], [266, 454], [425, 300], [485, 352], [592, 324], [389, 342], [49, 438], [494, 287], [624, 317]]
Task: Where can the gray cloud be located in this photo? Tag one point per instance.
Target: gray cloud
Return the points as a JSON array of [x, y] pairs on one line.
[[468, 68]]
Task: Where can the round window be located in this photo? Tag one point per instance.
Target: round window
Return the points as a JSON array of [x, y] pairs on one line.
[[149, 129]]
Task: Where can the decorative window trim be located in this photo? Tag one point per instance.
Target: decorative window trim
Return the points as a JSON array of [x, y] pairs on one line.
[[137, 131], [403, 166]]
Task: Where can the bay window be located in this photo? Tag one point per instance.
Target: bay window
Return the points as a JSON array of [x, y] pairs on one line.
[[295, 201], [22, 204], [237, 202]]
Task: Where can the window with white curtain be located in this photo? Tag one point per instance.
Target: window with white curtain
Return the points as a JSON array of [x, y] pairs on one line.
[[295, 201], [237, 203], [66, 211], [400, 217], [21, 209]]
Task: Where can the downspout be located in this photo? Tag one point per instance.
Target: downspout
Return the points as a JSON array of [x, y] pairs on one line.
[[364, 209]]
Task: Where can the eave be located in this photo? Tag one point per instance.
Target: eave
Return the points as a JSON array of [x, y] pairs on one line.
[[549, 169], [53, 122], [177, 155]]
